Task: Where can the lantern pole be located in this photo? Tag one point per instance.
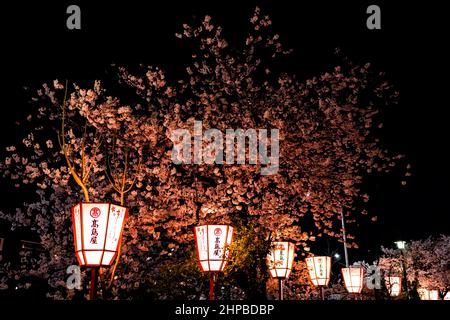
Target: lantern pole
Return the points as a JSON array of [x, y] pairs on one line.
[[322, 291], [93, 288], [211, 285], [401, 245], [280, 288], [344, 236]]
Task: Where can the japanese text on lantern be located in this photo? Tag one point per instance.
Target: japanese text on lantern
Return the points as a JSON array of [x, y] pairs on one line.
[[281, 250], [321, 273]]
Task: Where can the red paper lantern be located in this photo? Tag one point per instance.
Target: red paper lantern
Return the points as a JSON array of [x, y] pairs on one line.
[[319, 270], [213, 243], [353, 279], [280, 259], [97, 229]]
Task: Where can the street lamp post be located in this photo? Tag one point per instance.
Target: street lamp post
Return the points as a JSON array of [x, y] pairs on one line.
[[319, 271], [280, 261], [353, 279], [97, 230], [213, 243], [401, 245], [344, 237]]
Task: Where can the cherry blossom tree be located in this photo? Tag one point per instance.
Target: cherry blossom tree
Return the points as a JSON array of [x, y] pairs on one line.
[[425, 263], [326, 139], [109, 151], [297, 287]]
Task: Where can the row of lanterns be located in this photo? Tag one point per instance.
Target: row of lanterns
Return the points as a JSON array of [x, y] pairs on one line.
[[213, 242], [98, 227]]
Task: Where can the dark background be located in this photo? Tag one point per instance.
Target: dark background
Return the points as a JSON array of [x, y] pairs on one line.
[[411, 48]]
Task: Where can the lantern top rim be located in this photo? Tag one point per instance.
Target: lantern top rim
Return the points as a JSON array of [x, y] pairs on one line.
[[103, 202], [213, 224]]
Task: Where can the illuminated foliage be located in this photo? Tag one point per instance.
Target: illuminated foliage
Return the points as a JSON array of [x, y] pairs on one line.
[[122, 153], [426, 263]]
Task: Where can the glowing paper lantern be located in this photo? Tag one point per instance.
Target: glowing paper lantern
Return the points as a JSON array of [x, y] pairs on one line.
[[280, 259], [319, 270], [400, 244], [393, 285], [353, 279], [97, 229], [213, 242], [426, 294]]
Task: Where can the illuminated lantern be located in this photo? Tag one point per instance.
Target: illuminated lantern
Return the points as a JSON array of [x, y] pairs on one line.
[[433, 294], [353, 279], [213, 242], [426, 294], [447, 296], [319, 270], [97, 230], [280, 259], [213, 247], [393, 285]]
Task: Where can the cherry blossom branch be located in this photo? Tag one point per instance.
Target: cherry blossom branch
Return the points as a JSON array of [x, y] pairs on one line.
[[64, 148]]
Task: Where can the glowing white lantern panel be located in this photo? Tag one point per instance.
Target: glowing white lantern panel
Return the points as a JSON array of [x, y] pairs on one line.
[[280, 259], [433, 294], [213, 243], [353, 279], [319, 270], [393, 285], [97, 229]]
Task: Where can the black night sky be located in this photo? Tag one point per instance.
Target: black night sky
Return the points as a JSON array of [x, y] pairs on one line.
[[411, 48]]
